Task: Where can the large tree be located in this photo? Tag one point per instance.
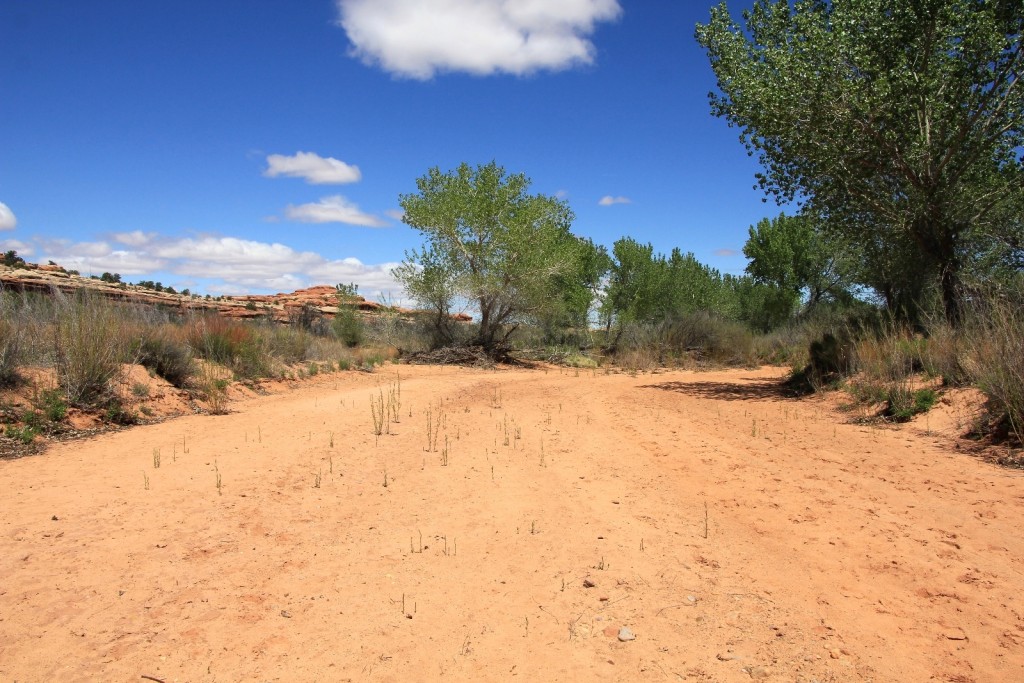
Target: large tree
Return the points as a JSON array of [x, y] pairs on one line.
[[794, 255], [896, 121], [508, 253]]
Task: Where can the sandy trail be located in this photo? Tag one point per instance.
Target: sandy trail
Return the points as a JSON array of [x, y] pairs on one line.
[[737, 534]]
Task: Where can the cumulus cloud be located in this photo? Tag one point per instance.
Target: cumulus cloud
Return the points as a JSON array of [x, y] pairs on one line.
[[231, 265], [24, 249], [313, 168], [418, 38], [135, 238], [334, 209], [7, 219], [609, 200]]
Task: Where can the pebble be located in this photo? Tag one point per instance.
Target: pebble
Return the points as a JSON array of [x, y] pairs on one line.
[[758, 672], [625, 634], [587, 583], [956, 634]]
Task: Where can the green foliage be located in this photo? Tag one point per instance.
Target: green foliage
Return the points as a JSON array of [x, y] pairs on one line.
[[12, 260], [54, 408], [898, 123], [165, 350], [12, 340], [25, 435], [994, 343], [348, 327], [89, 345], [792, 254], [508, 253], [116, 413]]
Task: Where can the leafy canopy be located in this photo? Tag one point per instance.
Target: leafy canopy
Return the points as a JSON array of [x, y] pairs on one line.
[[894, 121], [488, 241]]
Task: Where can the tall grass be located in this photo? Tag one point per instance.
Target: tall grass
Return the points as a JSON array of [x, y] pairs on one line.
[[89, 346], [994, 334], [12, 340]]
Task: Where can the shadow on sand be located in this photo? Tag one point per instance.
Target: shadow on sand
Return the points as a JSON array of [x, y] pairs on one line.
[[745, 389]]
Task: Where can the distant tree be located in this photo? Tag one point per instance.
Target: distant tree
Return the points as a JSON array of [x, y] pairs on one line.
[[112, 278], [12, 260], [348, 326], [792, 254], [490, 242], [899, 123]]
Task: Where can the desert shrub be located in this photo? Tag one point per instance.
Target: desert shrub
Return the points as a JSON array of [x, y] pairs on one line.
[[89, 346], [25, 434], [890, 355], [903, 403], [165, 350], [700, 336], [348, 326], [232, 344], [994, 334], [830, 358], [11, 340], [117, 413], [289, 345], [53, 405], [946, 354]]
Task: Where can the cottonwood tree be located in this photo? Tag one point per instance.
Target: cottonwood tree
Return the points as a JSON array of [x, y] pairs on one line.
[[489, 242], [794, 255], [892, 119]]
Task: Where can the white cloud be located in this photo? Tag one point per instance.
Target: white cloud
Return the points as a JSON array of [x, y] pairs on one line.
[[135, 238], [23, 248], [8, 221], [397, 214], [609, 200], [726, 252], [418, 38], [333, 209], [227, 264], [313, 168]]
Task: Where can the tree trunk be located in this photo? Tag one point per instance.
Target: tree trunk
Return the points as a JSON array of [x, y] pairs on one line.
[[951, 295]]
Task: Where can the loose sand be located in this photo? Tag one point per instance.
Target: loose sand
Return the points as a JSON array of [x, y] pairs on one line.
[[737, 534]]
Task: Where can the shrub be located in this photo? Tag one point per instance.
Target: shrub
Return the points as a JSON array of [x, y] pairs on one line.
[[904, 403], [164, 350], [11, 340], [89, 347], [994, 333], [349, 327], [53, 406]]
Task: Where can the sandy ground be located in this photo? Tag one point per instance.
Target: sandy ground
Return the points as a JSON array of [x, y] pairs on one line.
[[738, 535]]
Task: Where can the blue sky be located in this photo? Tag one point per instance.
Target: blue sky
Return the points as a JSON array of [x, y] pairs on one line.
[[261, 146]]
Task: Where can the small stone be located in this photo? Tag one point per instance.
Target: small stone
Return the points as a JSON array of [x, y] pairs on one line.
[[54, 518], [726, 657], [286, 614], [603, 598], [691, 599], [833, 653], [626, 635], [955, 634], [758, 672], [587, 583]]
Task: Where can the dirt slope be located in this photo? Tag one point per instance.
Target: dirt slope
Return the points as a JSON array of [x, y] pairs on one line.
[[736, 534]]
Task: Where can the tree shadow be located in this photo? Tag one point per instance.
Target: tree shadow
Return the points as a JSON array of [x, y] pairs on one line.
[[752, 389]]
